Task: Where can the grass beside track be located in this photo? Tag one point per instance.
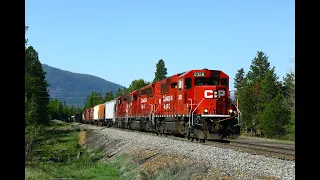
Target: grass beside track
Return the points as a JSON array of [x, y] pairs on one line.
[[57, 154]]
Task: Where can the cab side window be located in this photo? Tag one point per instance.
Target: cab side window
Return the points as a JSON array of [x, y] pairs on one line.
[[188, 83]]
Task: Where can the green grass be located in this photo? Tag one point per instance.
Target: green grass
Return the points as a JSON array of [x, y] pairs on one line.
[[126, 166], [287, 139], [57, 123], [55, 156]]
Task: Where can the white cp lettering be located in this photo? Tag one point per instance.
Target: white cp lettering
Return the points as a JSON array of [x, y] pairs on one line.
[[221, 93], [207, 95]]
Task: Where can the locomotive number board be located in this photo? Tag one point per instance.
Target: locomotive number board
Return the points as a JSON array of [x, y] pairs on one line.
[[198, 74]]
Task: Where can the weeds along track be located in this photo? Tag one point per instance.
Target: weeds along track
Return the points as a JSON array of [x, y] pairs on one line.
[[275, 150]]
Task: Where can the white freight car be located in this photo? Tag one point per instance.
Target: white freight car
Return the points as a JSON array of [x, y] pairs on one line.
[[96, 113], [110, 111]]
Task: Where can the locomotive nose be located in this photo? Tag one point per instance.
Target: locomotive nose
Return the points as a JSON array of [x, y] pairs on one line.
[[211, 99]]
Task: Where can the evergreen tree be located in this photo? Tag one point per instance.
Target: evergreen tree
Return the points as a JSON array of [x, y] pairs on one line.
[[125, 90], [60, 111], [247, 104], [119, 93], [259, 67], [239, 78], [137, 84], [25, 31], [268, 89], [255, 90], [289, 99], [35, 84], [66, 113], [108, 97], [275, 118], [72, 111], [94, 99], [289, 91], [161, 71]]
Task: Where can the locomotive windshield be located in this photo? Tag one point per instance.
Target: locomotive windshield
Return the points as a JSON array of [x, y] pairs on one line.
[[203, 81]]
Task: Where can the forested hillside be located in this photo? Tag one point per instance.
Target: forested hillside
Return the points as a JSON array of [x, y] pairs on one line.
[[73, 88]]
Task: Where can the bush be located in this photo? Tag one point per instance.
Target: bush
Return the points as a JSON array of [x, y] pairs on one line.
[[274, 119], [31, 132]]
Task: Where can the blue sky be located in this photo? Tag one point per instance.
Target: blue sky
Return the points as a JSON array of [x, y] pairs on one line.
[[122, 40]]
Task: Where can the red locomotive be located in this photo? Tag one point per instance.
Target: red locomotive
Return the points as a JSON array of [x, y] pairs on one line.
[[195, 104]]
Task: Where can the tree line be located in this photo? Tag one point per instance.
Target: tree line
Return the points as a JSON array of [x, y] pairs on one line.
[[266, 104]]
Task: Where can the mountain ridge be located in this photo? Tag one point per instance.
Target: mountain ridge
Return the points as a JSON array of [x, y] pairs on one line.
[[73, 87]]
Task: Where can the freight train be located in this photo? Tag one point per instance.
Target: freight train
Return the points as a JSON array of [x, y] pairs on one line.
[[195, 104]]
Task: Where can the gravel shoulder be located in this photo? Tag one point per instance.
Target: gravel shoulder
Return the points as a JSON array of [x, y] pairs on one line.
[[199, 161]]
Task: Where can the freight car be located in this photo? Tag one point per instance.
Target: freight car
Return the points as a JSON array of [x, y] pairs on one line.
[[195, 104], [101, 114], [88, 115], [98, 114]]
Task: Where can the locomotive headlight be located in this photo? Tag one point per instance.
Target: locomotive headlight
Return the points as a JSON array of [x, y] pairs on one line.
[[205, 110], [230, 110]]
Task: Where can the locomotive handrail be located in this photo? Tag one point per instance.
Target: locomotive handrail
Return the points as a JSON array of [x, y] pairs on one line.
[[152, 119], [151, 113], [227, 118], [190, 111], [195, 110], [239, 113]]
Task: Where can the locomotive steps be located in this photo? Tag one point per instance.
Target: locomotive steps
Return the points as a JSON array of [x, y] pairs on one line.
[[155, 156]]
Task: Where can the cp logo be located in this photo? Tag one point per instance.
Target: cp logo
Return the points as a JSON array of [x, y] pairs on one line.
[[210, 93]]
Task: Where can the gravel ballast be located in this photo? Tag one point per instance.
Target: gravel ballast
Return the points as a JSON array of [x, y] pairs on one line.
[[232, 163]]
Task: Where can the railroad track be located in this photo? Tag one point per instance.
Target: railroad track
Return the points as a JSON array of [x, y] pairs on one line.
[[249, 147], [275, 151]]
